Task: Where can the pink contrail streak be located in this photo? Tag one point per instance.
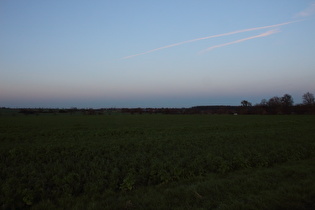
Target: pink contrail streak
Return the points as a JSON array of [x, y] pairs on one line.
[[209, 37], [241, 40]]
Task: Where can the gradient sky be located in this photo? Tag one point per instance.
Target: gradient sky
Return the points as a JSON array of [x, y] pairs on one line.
[[143, 53]]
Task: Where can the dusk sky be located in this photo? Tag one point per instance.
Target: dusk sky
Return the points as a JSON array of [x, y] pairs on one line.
[[143, 53]]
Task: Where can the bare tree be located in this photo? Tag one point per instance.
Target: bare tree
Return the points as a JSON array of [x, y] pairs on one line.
[[263, 102], [308, 99], [287, 100], [246, 103], [287, 103], [274, 105], [274, 101]]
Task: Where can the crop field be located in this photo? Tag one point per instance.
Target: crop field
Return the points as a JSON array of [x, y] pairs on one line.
[[156, 161]]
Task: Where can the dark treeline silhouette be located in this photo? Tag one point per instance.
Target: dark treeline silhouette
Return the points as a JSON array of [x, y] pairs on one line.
[[272, 106], [285, 105]]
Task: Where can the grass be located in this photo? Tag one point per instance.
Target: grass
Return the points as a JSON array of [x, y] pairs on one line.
[[157, 161]]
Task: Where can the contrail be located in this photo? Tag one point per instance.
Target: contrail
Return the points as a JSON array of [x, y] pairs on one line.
[[241, 40], [209, 37], [307, 12]]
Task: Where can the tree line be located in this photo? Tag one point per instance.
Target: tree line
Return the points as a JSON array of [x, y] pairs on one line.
[[274, 105], [281, 105]]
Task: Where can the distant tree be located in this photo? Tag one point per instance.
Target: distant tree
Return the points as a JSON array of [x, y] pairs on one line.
[[261, 108], [274, 105], [246, 103], [263, 102], [287, 100], [274, 101], [287, 103], [308, 99]]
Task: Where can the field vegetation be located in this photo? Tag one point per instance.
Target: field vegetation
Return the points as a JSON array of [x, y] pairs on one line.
[[157, 161]]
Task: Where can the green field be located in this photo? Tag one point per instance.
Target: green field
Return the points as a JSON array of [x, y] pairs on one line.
[[124, 161]]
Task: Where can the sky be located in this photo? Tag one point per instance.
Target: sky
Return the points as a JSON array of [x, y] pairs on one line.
[[145, 53]]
